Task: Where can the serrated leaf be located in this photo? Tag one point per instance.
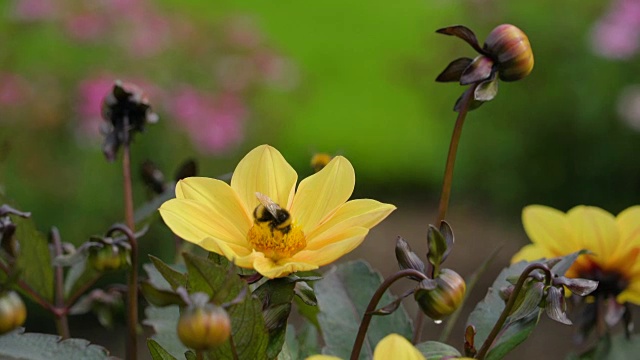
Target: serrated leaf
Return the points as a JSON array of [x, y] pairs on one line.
[[343, 296], [157, 352], [434, 350], [164, 321], [19, 345], [248, 330], [173, 277], [34, 260], [276, 297]]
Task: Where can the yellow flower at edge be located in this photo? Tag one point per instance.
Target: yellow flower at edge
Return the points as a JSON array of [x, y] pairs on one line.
[[317, 227], [393, 346], [613, 241]]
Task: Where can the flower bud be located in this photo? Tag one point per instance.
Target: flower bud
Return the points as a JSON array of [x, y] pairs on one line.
[[12, 311], [204, 327], [109, 257], [510, 47], [445, 298]]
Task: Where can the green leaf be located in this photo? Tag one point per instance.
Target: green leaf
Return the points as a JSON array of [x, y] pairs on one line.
[[173, 277], [19, 345], [164, 321], [159, 297], [276, 297], [343, 296], [302, 344], [34, 260], [157, 352], [487, 312], [248, 330], [434, 350]]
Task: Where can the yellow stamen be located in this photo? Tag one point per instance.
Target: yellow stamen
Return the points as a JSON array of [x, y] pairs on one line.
[[274, 243]]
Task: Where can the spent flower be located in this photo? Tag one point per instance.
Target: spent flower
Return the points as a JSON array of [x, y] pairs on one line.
[[261, 222]]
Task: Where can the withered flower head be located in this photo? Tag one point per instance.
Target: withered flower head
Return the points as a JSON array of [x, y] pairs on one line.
[[126, 110], [506, 55]]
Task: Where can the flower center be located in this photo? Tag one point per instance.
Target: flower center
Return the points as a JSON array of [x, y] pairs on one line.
[[274, 243], [610, 283]]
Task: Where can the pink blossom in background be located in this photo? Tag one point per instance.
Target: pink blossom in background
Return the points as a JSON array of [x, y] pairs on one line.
[[242, 32], [34, 10], [215, 123], [86, 26], [148, 35], [617, 34]]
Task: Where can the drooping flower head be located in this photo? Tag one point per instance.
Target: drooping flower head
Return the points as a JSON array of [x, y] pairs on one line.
[[260, 221], [614, 245]]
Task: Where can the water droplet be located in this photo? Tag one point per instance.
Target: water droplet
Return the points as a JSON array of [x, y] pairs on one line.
[[437, 322]]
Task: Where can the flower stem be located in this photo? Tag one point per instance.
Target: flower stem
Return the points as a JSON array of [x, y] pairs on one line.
[[447, 180], [62, 322], [510, 304], [373, 303], [132, 302]]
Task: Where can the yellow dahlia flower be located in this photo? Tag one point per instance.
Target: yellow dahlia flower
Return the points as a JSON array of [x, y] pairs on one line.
[[261, 222], [613, 241], [393, 346]]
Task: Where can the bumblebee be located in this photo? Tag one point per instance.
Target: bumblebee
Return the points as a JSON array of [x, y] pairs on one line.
[[270, 212]]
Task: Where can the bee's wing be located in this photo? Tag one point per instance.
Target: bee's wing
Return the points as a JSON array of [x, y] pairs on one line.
[[268, 204]]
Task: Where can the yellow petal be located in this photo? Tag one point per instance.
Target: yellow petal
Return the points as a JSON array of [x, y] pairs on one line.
[[270, 269], [264, 170], [220, 197], [394, 346], [239, 255], [631, 294], [530, 253], [548, 228], [334, 248], [628, 223], [322, 357], [320, 194], [596, 230], [194, 222], [355, 213]]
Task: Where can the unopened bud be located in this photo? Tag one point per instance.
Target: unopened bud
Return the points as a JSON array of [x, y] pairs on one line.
[[109, 257], [204, 327], [510, 47], [13, 313], [445, 298]]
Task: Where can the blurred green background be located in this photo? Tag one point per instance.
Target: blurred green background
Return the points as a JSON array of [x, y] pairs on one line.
[[353, 78]]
